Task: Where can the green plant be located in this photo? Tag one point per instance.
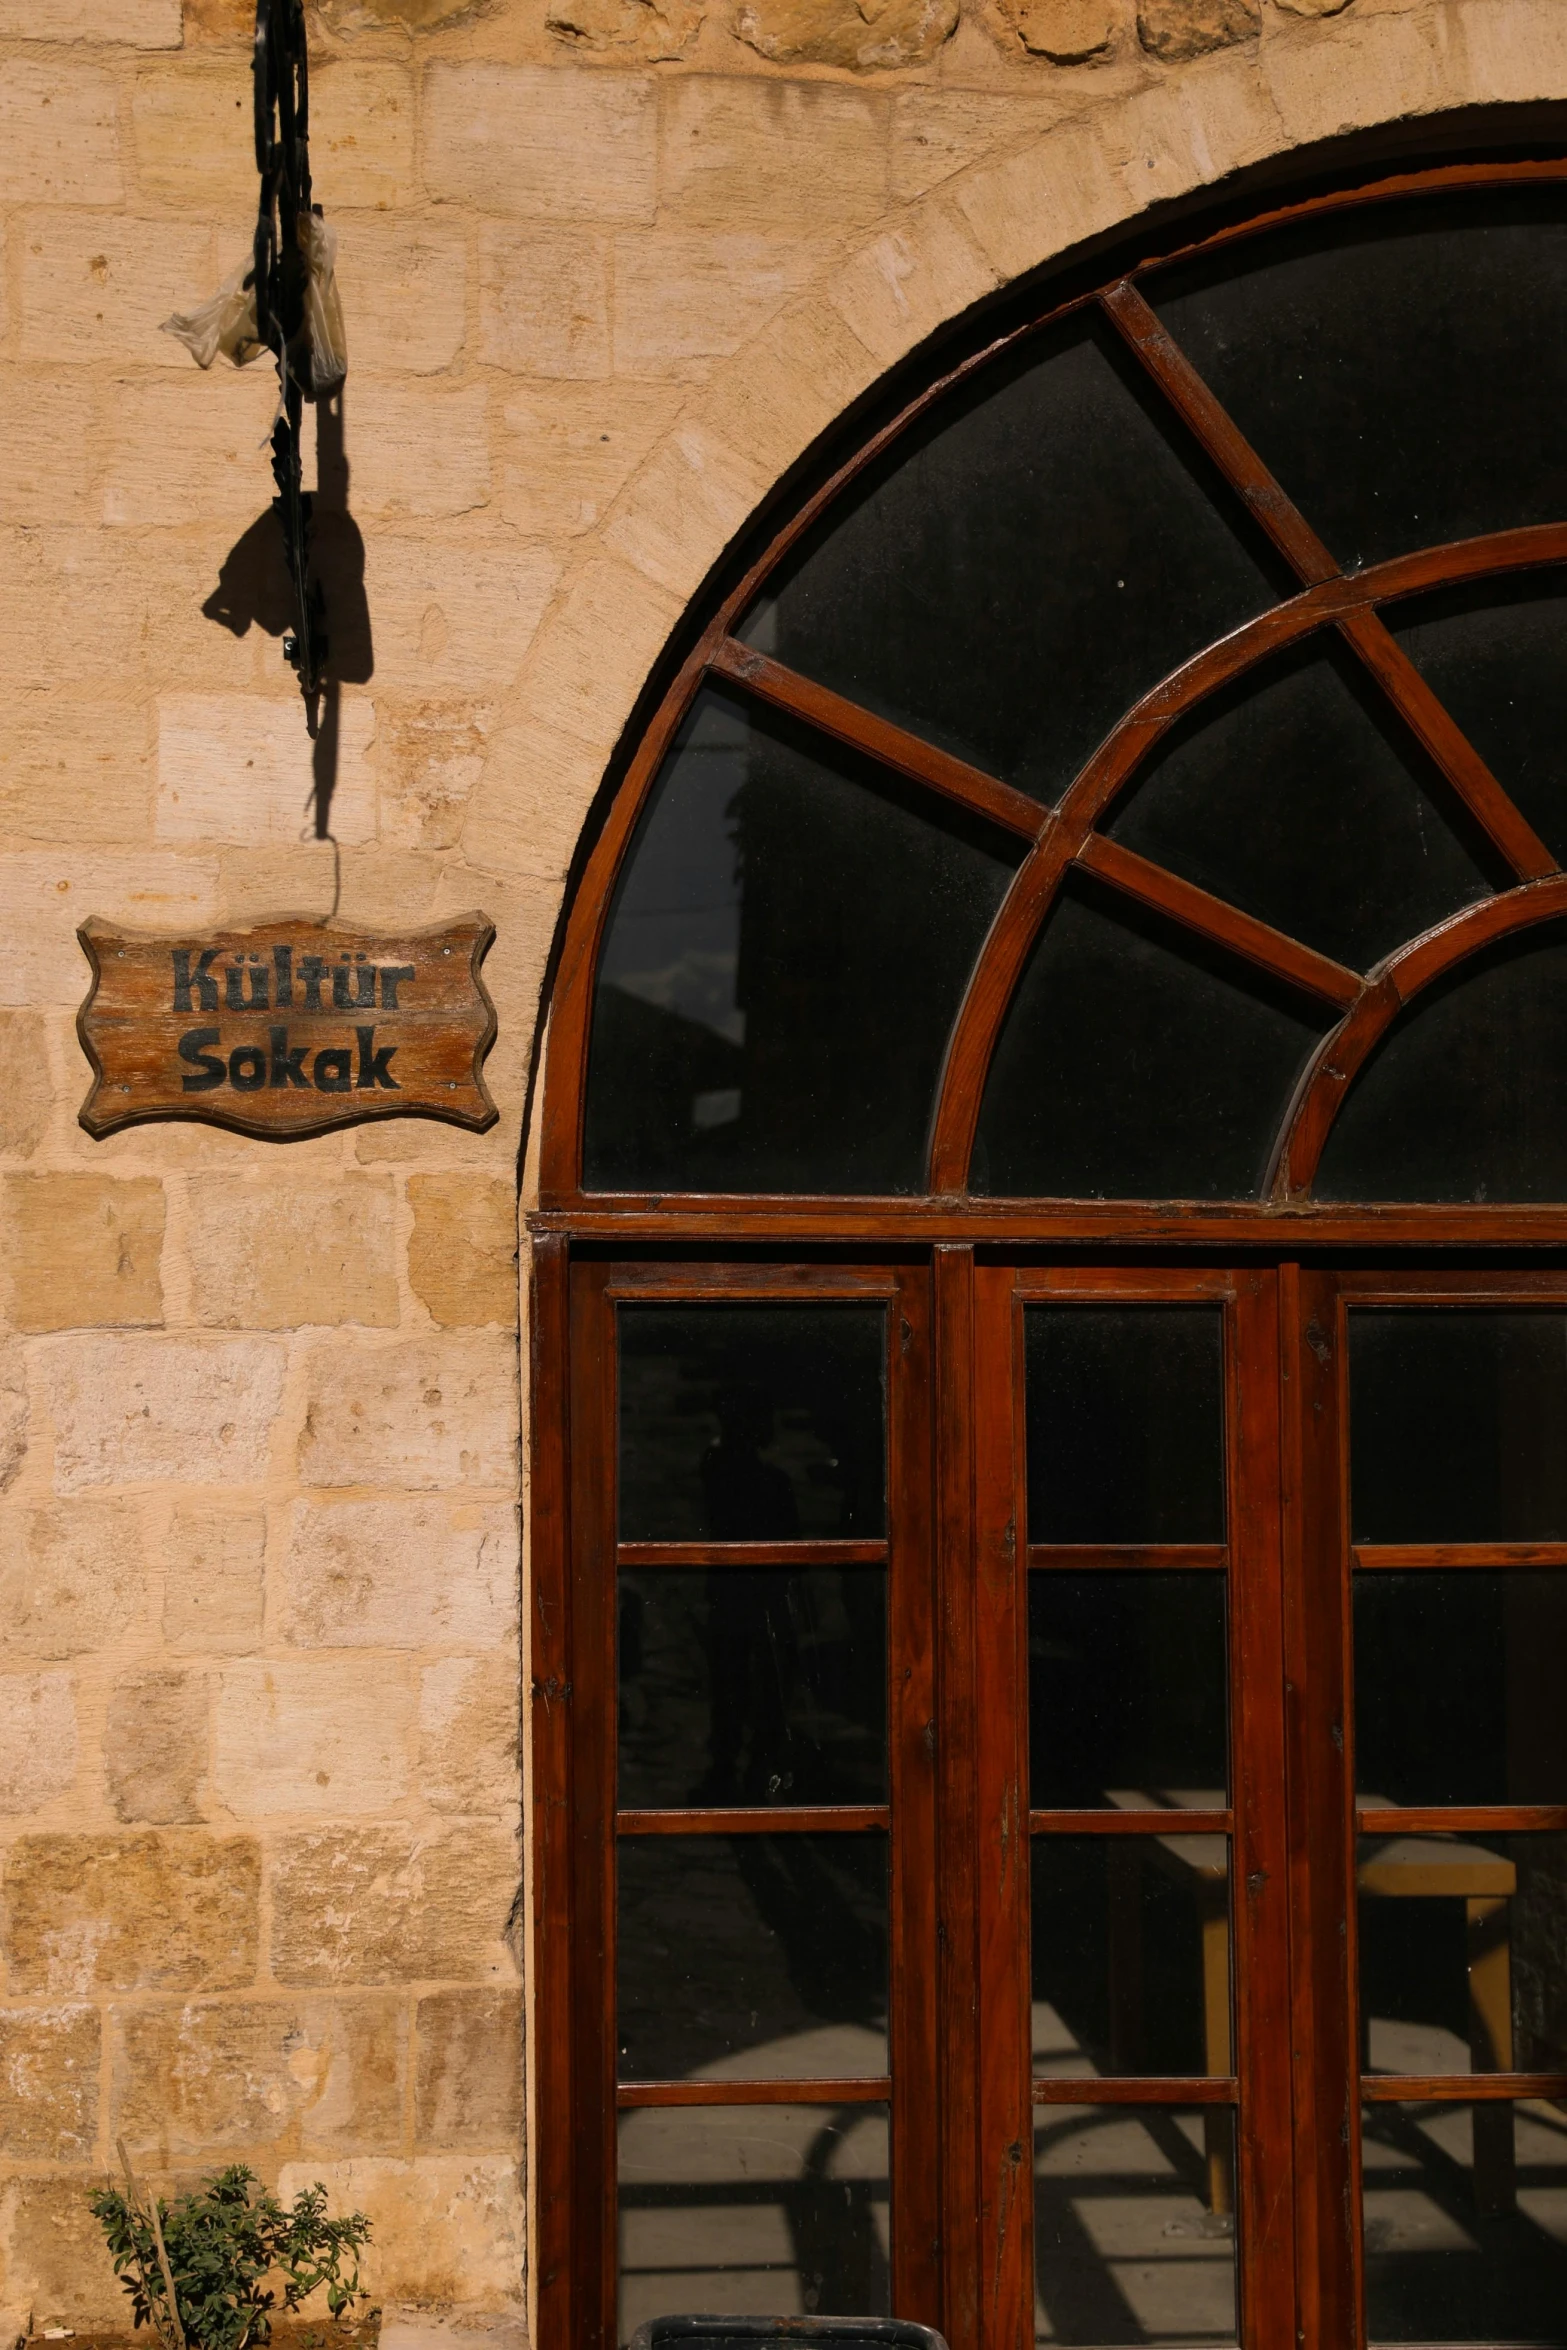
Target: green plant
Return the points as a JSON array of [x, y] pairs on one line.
[[228, 2255]]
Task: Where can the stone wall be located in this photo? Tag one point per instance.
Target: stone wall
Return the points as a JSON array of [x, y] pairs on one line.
[[608, 266]]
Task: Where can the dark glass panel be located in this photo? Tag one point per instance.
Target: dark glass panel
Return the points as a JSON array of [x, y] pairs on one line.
[[1127, 1695], [752, 1957], [1463, 1099], [1459, 1687], [1298, 796], [1461, 1941], [1136, 1063], [1495, 653], [1128, 2244], [753, 1685], [1023, 565], [1131, 1955], [751, 1423], [1400, 369], [1456, 1425], [788, 946], [753, 2210], [1125, 1419], [1465, 2223]]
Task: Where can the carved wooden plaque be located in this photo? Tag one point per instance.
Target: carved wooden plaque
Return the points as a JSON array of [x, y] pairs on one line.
[[287, 1027]]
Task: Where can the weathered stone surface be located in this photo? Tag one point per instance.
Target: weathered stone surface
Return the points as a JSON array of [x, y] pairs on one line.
[[454, 620], [177, 1911], [567, 450], [52, 417], [406, 288], [94, 285], [199, 1410], [59, 136], [1068, 32], [648, 29], [216, 423], [72, 1576], [46, 893], [49, 2083], [462, 1258], [1311, 7], [348, 17], [83, 1250], [550, 146], [213, 1578], [432, 1411], [139, 24], [468, 2083], [13, 1413], [846, 32], [270, 1256], [51, 2253], [730, 149], [311, 1734], [37, 1739], [389, 1905], [421, 451], [205, 740], [448, 2228], [400, 1571], [231, 2077], [468, 1729], [544, 301], [155, 1745], [684, 297], [25, 1094], [1176, 29]]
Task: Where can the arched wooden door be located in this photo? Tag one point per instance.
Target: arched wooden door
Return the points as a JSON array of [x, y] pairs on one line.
[[1050, 1506]]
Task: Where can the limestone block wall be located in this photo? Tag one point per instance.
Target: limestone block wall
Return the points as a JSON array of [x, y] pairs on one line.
[[608, 267]]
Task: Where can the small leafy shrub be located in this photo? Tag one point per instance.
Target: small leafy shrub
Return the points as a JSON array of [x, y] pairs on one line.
[[235, 2253]]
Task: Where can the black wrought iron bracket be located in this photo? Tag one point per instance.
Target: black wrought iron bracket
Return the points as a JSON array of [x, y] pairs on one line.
[[282, 279]]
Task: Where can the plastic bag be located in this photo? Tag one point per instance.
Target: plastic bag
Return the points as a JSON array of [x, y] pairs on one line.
[[227, 322], [323, 304]]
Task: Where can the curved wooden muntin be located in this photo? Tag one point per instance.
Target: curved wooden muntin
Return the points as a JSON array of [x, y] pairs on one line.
[[1063, 838]]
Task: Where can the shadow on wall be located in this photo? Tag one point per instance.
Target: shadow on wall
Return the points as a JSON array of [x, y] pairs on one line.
[[253, 585]]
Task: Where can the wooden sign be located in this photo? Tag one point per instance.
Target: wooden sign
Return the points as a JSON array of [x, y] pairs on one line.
[[287, 1027]]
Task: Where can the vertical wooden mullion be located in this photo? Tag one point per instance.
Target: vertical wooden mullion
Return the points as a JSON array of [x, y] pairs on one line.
[[1259, 1868], [549, 1667]]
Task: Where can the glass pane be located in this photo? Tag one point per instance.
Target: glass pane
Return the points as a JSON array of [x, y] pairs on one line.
[[752, 1957], [1131, 1955], [1133, 2238], [1461, 1941], [761, 1022], [1127, 1697], [1496, 654], [1125, 1423], [1017, 570], [1459, 1682], [1462, 1101], [1299, 797], [1136, 1064], [758, 2210], [1400, 370], [1457, 1422], [1466, 2222], [751, 1423], [752, 1685]]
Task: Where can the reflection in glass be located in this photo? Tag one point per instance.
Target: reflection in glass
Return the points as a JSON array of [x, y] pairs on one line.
[[752, 1957], [1461, 1943], [1459, 1687], [1131, 1955], [1021, 567], [1495, 653], [1137, 1063], [1462, 1098], [1456, 1425], [751, 1423], [755, 2210], [1397, 368], [1465, 2222], [1298, 796], [753, 1685], [1125, 1423], [1127, 2244], [1127, 1690], [760, 1022]]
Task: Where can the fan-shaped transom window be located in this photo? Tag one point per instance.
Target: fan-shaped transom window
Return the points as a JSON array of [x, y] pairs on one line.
[[1152, 744]]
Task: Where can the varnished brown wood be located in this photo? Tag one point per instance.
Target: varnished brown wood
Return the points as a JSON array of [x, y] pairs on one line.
[[1256, 942], [796, 1555], [1163, 1558], [1148, 2089], [1403, 1558], [1292, 1225], [869, 2089], [823, 1819], [692, 1283], [1457, 1819], [1175, 1821], [1458, 2088]]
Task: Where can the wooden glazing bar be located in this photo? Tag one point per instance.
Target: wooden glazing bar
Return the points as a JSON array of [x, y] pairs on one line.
[[1255, 942], [1458, 2088], [1292, 1223], [890, 746], [1078, 1558], [702, 1284], [1403, 1558], [1201, 2089], [1439, 1284], [779, 1555], [825, 1819], [1131, 1284], [1460, 1819], [875, 2089], [1174, 1822]]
